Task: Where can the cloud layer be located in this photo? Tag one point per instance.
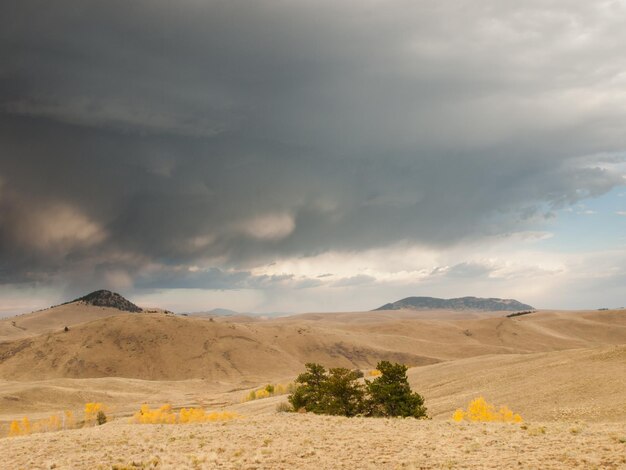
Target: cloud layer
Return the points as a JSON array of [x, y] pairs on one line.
[[170, 145]]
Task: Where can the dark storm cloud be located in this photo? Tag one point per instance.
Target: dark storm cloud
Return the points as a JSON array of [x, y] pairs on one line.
[[231, 133]]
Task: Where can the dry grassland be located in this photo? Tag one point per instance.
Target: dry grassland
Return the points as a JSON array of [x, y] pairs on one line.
[[290, 441], [563, 372]]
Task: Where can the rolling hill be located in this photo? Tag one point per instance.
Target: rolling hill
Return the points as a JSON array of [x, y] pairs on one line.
[[93, 306], [157, 346]]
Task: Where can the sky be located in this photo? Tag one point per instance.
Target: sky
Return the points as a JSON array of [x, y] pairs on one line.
[[291, 156]]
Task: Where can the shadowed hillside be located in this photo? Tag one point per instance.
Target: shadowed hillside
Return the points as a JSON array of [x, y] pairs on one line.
[[161, 347], [165, 347]]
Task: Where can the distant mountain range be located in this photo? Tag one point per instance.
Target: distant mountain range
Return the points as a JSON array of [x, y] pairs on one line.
[[224, 312], [220, 312], [105, 298], [461, 303]]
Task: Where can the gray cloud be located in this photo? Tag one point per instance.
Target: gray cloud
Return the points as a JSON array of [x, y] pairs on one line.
[[357, 280], [229, 134], [464, 270], [212, 278]]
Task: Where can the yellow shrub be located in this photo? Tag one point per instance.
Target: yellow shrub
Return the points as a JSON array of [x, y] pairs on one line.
[[374, 373], [261, 394], [269, 390], [55, 422], [26, 426], [480, 410], [458, 415], [91, 412], [14, 429], [165, 415]]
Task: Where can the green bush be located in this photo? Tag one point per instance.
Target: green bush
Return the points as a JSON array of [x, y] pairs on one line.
[[101, 418], [339, 392], [343, 394], [390, 394], [309, 392]]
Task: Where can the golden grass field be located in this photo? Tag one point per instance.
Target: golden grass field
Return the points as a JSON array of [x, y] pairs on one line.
[[563, 372], [294, 441]]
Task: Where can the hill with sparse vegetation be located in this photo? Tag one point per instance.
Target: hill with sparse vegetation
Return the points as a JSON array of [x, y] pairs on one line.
[[461, 303], [106, 298]]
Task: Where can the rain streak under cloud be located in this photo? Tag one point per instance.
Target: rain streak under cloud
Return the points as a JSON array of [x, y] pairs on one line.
[[312, 155]]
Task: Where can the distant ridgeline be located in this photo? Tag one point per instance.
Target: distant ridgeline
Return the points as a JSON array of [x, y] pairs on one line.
[[106, 298], [462, 303]]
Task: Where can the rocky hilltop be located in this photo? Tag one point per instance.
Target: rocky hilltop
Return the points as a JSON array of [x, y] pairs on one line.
[[106, 298], [461, 303]]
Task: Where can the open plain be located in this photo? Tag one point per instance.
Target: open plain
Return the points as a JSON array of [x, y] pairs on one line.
[[564, 372]]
